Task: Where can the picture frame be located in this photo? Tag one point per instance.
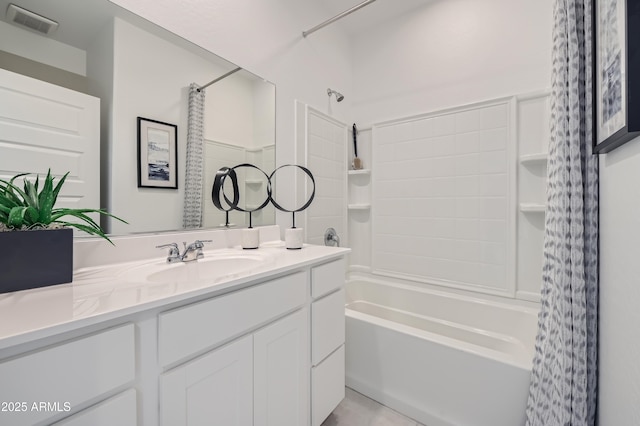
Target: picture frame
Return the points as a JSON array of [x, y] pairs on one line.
[[616, 68], [157, 154]]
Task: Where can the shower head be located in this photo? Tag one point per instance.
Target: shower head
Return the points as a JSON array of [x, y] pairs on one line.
[[339, 96]]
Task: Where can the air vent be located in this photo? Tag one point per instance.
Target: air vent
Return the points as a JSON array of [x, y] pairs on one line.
[[31, 20]]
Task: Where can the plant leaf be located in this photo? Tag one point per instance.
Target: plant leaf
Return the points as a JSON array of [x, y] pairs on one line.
[[21, 215], [88, 229], [46, 200], [58, 187], [32, 193], [6, 202], [79, 213], [10, 189], [99, 211]]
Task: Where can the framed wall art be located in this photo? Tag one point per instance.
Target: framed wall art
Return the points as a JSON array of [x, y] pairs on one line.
[[157, 154], [616, 34]]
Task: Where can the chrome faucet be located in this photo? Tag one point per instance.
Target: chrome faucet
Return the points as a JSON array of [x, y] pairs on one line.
[[192, 251], [174, 252], [331, 238]]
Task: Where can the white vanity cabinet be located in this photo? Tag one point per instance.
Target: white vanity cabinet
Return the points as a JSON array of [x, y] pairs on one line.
[[48, 383], [262, 350], [327, 339], [257, 379]]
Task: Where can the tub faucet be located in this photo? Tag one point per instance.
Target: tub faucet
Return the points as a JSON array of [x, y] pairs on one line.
[[192, 251], [331, 238]]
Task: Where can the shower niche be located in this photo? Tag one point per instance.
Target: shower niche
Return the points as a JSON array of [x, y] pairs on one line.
[[533, 114]]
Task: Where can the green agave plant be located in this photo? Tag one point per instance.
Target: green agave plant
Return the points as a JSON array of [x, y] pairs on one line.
[[27, 208]]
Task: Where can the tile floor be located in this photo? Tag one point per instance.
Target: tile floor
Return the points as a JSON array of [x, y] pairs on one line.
[[358, 410]]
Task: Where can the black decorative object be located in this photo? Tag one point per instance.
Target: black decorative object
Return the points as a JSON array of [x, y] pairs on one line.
[[157, 154], [218, 188], [267, 198], [615, 73], [35, 258], [357, 162], [306, 204], [293, 236]]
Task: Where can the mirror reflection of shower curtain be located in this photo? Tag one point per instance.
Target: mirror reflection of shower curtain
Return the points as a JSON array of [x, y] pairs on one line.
[[192, 217]]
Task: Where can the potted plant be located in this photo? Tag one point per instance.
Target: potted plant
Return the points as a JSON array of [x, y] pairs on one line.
[[36, 240]]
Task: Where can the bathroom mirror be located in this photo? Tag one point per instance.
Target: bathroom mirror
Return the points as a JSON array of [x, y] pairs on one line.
[[138, 69]]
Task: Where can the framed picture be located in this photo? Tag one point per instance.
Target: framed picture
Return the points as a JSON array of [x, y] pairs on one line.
[[616, 37], [157, 154]]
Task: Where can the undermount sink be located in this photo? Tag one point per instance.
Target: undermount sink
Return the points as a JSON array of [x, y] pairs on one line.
[[211, 268]]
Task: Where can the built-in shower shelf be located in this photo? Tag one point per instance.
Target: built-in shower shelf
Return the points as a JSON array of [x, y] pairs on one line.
[[532, 208], [359, 172], [531, 159], [255, 182], [360, 206]]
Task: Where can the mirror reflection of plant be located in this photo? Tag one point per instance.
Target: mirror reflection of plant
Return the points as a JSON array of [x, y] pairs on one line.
[[28, 209]]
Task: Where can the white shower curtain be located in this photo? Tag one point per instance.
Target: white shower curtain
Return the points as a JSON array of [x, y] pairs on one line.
[[563, 388], [192, 217]]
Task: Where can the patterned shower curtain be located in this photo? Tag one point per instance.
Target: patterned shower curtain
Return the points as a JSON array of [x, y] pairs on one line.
[[563, 386], [192, 217]]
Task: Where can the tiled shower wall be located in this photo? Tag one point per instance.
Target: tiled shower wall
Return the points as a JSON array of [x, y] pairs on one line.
[[441, 197], [326, 158]]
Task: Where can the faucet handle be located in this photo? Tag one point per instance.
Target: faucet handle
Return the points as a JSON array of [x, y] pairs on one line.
[[199, 244], [174, 251]]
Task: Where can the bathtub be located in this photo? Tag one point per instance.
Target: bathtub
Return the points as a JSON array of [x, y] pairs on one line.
[[442, 359]]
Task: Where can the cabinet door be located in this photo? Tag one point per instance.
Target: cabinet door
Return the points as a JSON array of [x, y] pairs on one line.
[[215, 389], [281, 381]]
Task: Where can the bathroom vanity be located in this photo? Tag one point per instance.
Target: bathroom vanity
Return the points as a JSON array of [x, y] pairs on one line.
[[236, 338]]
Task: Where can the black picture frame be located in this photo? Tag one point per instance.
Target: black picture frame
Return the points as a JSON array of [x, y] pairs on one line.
[[157, 154], [616, 70]]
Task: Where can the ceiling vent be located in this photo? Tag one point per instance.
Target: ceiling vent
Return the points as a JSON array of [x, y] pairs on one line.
[[31, 20]]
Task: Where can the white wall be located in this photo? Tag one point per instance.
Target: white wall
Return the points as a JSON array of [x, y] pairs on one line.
[[41, 49], [619, 370], [450, 53]]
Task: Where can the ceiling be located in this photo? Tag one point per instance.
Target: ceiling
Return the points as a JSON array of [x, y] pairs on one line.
[[370, 16], [87, 16], [80, 20]]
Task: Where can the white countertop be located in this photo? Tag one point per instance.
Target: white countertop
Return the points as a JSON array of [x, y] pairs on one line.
[[106, 292]]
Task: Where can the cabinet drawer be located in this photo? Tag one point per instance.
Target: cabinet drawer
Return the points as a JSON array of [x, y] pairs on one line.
[[327, 386], [326, 278], [119, 410], [194, 328], [102, 361], [327, 325]]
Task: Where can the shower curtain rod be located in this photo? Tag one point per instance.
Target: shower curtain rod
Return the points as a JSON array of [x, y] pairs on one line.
[[219, 78], [335, 18]]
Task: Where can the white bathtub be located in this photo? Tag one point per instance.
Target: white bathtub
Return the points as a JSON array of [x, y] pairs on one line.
[[442, 359]]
